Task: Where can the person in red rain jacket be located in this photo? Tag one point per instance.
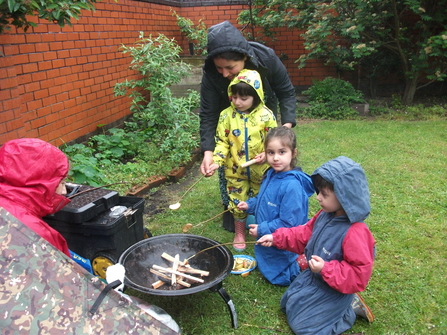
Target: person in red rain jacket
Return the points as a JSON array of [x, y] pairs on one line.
[[32, 174]]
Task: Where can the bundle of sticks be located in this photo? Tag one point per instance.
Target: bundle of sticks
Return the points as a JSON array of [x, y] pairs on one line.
[[180, 274]]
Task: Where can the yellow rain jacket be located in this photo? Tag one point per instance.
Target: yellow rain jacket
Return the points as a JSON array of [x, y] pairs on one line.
[[239, 138]]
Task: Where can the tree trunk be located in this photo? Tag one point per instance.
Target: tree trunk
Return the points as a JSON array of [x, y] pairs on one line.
[[410, 90]]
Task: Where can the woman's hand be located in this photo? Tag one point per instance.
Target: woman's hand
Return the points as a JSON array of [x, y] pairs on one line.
[[213, 167], [206, 163]]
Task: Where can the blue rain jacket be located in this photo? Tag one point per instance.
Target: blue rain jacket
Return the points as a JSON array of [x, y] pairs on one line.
[[283, 201]]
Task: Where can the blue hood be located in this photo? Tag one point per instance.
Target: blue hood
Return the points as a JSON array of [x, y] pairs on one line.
[[350, 186]]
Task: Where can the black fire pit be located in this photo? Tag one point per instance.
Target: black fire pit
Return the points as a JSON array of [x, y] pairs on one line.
[[140, 257]]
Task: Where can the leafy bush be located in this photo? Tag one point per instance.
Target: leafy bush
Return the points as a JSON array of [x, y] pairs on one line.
[[117, 146], [197, 35], [331, 99], [162, 132], [166, 120], [84, 167]]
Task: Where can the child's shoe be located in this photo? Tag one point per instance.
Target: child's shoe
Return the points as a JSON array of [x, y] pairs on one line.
[[361, 309], [239, 238]]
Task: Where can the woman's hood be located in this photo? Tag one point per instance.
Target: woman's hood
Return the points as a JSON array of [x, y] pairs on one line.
[[30, 171], [350, 186], [252, 78], [225, 37]]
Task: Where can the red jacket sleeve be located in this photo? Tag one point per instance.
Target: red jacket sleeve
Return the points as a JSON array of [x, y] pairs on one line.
[[294, 239], [352, 274]]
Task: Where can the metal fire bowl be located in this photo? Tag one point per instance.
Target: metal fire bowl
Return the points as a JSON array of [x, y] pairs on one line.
[[140, 257]]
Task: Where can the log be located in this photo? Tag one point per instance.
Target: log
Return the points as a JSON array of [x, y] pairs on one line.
[[171, 259], [188, 269], [183, 267], [157, 284], [174, 268], [156, 267], [162, 275]]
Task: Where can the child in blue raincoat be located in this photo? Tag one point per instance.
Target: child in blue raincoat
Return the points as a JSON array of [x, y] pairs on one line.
[[283, 201]]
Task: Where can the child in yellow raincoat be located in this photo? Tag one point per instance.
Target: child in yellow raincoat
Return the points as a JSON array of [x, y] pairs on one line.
[[240, 137]]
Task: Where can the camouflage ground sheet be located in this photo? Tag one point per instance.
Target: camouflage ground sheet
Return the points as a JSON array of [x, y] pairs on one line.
[[43, 292]]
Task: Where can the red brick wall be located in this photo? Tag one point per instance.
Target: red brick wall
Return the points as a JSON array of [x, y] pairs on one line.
[[57, 84]]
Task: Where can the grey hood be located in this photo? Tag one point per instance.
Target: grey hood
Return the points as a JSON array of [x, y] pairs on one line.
[[350, 186]]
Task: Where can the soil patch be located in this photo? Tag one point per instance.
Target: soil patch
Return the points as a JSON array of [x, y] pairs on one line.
[[158, 199]]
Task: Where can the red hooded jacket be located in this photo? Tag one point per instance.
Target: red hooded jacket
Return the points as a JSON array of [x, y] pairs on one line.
[[30, 171]]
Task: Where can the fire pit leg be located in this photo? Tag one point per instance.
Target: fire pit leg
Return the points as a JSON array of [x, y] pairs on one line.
[[228, 301]]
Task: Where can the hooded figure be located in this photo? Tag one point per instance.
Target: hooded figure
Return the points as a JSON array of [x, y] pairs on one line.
[[320, 303], [30, 172], [283, 201], [240, 137], [225, 37]]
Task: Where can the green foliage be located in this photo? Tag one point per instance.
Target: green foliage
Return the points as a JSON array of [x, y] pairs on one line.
[[331, 99], [195, 34], [162, 133], [168, 121], [117, 146], [15, 12], [395, 110], [375, 35], [107, 159], [84, 167]]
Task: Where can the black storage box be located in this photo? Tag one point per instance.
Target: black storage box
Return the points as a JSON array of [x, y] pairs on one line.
[[105, 235], [84, 207]]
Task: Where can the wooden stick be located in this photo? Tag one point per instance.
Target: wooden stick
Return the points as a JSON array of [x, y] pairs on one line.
[[174, 268], [157, 284], [248, 163], [162, 275], [183, 267], [171, 259], [156, 267], [189, 189], [218, 245], [187, 269], [188, 226]]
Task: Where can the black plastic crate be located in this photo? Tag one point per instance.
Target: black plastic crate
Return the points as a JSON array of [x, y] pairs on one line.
[[105, 235], [86, 206]]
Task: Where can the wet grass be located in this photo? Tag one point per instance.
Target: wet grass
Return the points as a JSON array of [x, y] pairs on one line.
[[406, 165]]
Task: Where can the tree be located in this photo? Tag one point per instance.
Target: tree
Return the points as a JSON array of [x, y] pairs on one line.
[[15, 12], [375, 35]]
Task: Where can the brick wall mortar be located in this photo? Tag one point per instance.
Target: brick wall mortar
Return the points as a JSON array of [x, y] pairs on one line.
[[57, 83]]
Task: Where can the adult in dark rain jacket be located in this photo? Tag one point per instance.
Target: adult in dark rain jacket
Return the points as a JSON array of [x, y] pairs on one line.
[[224, 37]]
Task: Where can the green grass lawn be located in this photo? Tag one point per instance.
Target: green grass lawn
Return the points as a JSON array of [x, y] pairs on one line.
[[406, 166]]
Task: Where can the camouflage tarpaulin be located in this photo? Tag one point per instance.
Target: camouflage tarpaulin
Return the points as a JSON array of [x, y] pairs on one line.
[[42, 291]]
